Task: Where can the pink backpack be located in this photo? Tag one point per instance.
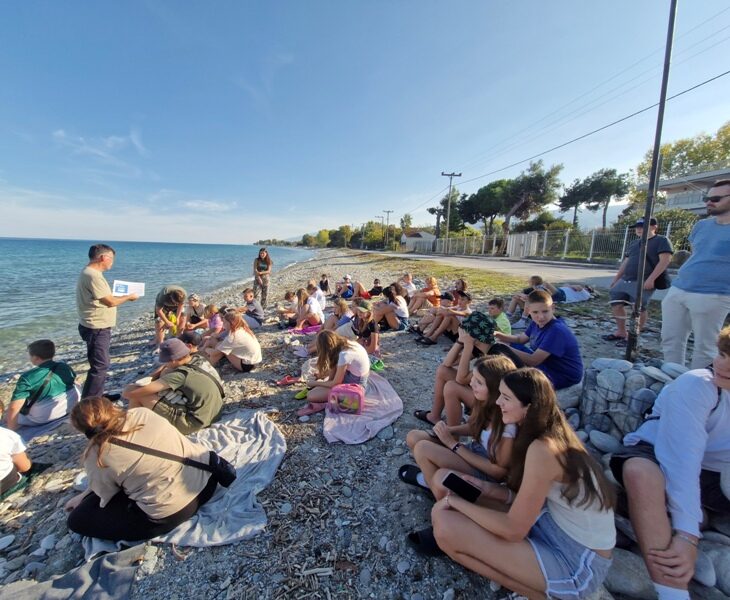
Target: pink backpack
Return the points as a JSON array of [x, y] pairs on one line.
[[346, 398]]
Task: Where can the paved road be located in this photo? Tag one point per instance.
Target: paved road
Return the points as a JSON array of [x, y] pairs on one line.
[[594, 275]]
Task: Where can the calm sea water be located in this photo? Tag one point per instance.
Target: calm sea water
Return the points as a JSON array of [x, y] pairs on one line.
[[38, 282]]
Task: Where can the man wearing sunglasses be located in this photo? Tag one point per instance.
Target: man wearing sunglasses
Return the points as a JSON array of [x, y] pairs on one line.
[[699, 299]]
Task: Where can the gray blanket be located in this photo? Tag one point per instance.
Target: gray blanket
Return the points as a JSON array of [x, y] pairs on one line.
[[109, 577], [251, 443]]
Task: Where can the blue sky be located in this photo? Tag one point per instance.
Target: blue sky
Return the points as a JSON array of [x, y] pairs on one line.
[[234, 121]]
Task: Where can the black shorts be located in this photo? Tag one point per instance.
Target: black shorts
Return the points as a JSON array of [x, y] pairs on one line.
[[711, 496]]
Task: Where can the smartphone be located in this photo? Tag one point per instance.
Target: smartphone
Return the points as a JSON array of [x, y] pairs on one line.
[[459, 486]]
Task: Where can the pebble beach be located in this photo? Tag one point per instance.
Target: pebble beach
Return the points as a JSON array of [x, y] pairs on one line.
[[337, 514]]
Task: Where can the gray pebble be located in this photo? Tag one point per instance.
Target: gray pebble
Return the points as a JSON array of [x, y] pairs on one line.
[[448, 594], [365, 577], [391, 547], [304, 419], [6, 541], [386, 433], [285, 508], [403, 566], [346, 491], [15, 563], [32, 568], [48, 542]]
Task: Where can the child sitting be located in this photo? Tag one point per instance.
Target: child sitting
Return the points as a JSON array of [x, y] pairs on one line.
[[309, 311], [494, 310], [447, 320], [314, 291], [364, 326], [288, 311], [553, 348], [14, 462], [253, 312], [426, 297], [45, 393], [345, 289], [393, 311], [324, 283]]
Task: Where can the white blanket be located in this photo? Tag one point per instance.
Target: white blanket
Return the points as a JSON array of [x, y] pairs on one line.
[[255, 447]]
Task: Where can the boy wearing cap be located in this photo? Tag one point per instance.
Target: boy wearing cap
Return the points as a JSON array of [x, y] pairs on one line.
[[345, 289], [553, 346], [188, 393], [623, 287], [195, 311]]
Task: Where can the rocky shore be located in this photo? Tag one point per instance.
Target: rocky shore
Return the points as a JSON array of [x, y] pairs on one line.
[[337, 514]]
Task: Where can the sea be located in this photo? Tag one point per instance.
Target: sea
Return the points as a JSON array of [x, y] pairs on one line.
[[38, 283]]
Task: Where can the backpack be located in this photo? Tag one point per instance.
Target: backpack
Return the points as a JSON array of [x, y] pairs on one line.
[[346, 398]]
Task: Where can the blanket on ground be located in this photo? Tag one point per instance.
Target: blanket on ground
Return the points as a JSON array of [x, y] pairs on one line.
[[382, 407], [28, 432], [109, 577], [255, 447], [308, 330]]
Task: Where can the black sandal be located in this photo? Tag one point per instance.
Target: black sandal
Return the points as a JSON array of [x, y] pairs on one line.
[[424, 543], [422, 415]]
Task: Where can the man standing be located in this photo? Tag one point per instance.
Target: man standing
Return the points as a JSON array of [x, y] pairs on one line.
[[97, 310], [699, 299], [623, 287]]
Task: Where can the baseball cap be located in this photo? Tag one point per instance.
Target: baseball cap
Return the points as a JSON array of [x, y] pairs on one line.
[[193, 297], [363, 305], [173, 349], [640, 222], [347, 276]]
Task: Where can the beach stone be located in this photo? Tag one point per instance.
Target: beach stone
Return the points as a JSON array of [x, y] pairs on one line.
[[720, 523], [574, 421], [386, 433], [582, 435], [656, 374], [48, 542], [81, 482], [605, 442], [32, 568], [611, 384], [634, 381], [403, 566], [600, 422], [6, 541], [149, 562], [570, 397], [700, 592], [673, 369], [704, 570], [612, 363], [365, 577], [656, 387], [628, 576], [346, 491], [304, 419], [715, 537], [720, 558], [285, 508], [641, 401], [450, 594], [601, 594]]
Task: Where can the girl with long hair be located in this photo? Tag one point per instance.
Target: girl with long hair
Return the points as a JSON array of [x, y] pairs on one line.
[[364, 326], [393, 311], [262, 265], [487, 456], [309, 312], [132, 495], [239, 345], [339, 360], [548, 532]]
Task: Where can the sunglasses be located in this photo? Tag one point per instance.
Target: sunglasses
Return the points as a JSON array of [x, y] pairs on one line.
[[715, 199]]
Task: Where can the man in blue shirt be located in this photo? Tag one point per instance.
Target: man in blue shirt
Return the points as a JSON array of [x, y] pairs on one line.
[[699, 299], [553, 347]]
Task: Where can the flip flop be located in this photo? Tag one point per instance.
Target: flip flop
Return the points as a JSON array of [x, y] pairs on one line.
[[311, 408], [288, 380], [301, 394], [612, 337], [424, 543], [408, 474], [377, 365], [424, 341], [423, 416]]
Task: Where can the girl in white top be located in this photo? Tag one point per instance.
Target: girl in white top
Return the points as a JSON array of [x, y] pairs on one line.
[[394, 311], [488, 455], [239, 345], [555, 536], [309, 312], [339, 360]]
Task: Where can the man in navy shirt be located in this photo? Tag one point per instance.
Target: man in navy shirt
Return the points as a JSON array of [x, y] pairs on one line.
[[553, 347]]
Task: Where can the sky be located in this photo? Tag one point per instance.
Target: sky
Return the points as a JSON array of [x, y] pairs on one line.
[[238, 120]]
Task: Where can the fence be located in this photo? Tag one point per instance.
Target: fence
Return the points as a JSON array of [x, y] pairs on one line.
[[569, 244]]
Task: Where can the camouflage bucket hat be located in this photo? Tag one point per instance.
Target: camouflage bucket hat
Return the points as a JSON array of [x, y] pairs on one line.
[[480, 326]]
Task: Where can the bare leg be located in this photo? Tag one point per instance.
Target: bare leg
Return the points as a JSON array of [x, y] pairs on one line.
[[446, 323], [619, 314], [214, 356], [443, 374], [433, 326], [645, 484], [160, 330], [318, 394], [455, 395], [511, 564], [416, 435], [432, 457]]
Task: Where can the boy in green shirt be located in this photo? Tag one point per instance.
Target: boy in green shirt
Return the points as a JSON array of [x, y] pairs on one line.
[[45, 393], [495, 308]]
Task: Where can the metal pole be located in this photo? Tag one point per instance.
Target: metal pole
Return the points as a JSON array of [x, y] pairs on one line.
[[448, 207], [593, 241], [484, 243], [565, 245], [387, 227], [632, 342], [544, 243], [494, 243], [623, 248]]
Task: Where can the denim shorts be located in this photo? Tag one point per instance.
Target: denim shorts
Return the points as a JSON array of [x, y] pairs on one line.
[[571, 570], [478, 448], [403, 323], [624, 292], [351, 378]]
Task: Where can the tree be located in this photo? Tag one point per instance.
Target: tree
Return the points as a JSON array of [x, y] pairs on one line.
[[322, 238], [456, 223], [308, 240], [602, 187], [544, 220], [686, 156], [574, 197], [406, 222], [532, 190], [485, 205], [440, 214]]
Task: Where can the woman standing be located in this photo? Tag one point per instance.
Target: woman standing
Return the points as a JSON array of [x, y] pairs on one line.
[[553, 532], [261, 270], [133, 495]]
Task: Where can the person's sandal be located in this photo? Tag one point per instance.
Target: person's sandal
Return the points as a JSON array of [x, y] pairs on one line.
[[311, 408], [424, 542], [422, 415]]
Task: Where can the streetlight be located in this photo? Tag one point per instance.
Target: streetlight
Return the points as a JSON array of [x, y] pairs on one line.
[[448, 207]]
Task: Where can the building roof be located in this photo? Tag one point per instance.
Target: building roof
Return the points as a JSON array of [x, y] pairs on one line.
[[704, 179], [424, 235]]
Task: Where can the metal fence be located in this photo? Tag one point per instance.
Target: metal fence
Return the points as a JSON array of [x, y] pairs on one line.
[[598, 245]]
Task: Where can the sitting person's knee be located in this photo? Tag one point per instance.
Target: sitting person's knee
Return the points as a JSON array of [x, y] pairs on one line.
[[639, 473]]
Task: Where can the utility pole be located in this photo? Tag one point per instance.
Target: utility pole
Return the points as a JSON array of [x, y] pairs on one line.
[[387, 226], [448, 207], [382, 226], [633, 338], [362, 235]]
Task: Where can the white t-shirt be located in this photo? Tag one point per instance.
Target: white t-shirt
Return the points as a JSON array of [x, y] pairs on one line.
[[321, 298], [409, 287], [315, 308], [510, 431], [572, 296], [356, 358], [401, 307], [10, 444], [243, 345]]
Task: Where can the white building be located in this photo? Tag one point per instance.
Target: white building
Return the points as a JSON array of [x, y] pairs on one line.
[[687, 192], [417, 241]]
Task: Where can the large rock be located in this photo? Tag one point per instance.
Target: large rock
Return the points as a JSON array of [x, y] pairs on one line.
[[612, 363], [715, 537], [605, 442], [634, 381], [704, 570], [628, 576], [720, 523], [570, 397], [601, 594], [611, 384], [720, 558], [656, 374], [674, 370], [641, 401]]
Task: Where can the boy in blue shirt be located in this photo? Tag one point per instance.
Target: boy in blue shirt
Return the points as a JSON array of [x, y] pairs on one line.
[[552, 346]]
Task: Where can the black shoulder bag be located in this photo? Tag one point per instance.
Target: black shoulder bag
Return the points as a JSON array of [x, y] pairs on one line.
[[219, 467], [38, 394]]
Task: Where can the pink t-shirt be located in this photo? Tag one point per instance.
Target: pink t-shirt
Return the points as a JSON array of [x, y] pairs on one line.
[[215, 322]]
